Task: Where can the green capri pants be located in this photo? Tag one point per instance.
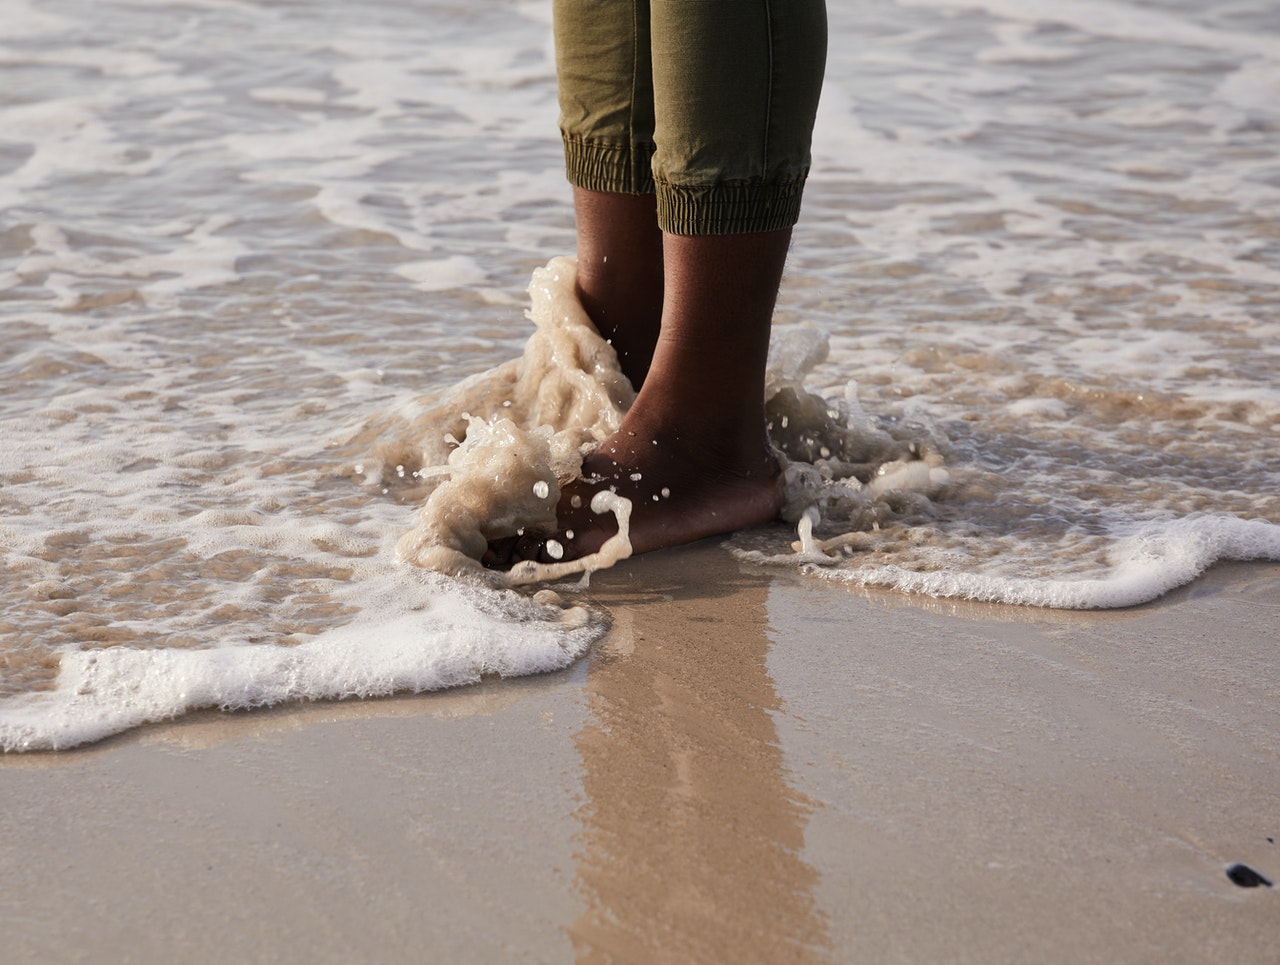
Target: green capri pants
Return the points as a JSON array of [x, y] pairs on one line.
[[707, 103]]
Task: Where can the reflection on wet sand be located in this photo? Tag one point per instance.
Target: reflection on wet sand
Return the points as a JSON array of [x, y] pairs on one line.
[[691, 834]]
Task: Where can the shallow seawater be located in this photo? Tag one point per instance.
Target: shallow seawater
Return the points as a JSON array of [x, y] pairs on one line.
[[243, 246]]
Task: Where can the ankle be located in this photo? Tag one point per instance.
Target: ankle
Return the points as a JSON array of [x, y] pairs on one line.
[[627, 312], [718, 444]]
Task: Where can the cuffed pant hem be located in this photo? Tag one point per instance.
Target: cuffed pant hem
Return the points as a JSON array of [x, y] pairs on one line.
[[608, 167], [728, 208]]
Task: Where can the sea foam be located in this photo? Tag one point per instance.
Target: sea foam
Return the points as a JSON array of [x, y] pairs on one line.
[[1155, 559], [459, 638], [1039, 236]]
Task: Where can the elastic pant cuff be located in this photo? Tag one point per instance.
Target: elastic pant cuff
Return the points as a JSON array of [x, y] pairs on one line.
[[594, 166], [734, 207]]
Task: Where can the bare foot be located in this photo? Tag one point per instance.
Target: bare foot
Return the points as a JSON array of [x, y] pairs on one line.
[[692, 454], [677, 496]]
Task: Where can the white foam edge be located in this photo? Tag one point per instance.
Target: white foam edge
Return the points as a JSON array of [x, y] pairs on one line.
[[98, 693], [1158, 558]]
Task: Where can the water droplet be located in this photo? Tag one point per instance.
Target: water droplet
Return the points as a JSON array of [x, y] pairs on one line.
[[785, 420], [666, 493], [554, 549], [636, 477], [575, 502], [359, 469], [568, 533], [541, 489]]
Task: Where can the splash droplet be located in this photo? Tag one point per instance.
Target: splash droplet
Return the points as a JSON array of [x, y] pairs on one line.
[[541, 489], [554, 549]]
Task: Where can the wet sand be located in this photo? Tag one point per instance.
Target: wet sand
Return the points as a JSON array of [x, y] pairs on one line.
[[752, 767]]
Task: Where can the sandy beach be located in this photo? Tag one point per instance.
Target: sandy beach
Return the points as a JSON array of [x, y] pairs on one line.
[[751, 767], [258, 259]]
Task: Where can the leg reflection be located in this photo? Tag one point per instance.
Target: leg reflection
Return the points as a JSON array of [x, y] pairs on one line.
[[691, 835]]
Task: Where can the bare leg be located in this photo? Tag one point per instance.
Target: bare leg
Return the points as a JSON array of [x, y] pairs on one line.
[[620, 273], [692, 453]]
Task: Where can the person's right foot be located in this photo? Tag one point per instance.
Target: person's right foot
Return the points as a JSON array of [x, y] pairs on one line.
[[677, 496], [692, 454]]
